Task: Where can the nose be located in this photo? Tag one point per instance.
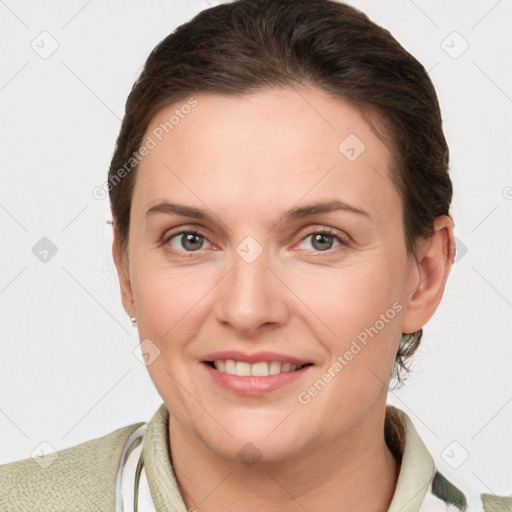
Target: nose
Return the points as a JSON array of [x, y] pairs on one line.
[[252, 297]]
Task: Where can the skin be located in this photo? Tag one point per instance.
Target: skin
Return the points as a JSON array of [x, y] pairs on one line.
[[248, 159]]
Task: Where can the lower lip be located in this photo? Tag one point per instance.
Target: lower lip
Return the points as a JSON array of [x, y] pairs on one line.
[[254, 386]]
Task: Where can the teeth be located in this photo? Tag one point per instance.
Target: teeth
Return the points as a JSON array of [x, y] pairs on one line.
[[259, 369], [243, 369], [274, 368], [229, 367]]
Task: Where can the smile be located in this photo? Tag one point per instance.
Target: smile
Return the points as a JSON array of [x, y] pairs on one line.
[[258, 369]]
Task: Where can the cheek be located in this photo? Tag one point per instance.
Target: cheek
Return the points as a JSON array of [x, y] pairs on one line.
[[167, 299], [170, 305], [348, 300], [357, 319]]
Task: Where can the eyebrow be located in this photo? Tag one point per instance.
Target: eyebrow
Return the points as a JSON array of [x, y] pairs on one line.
[[291, 215]]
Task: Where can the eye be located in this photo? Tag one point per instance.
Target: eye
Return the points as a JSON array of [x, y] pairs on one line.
[[185, 240], [190, 241], [323, 240]]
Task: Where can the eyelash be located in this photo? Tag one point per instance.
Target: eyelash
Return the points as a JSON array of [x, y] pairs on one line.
[[344, 241]]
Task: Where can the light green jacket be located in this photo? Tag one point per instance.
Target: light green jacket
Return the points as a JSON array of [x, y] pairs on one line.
[[84, 477]]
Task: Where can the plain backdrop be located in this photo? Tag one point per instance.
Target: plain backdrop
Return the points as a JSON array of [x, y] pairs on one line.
[[70, 369]]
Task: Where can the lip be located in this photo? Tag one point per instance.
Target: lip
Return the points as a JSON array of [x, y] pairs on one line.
[[255, 357], [254, 386]]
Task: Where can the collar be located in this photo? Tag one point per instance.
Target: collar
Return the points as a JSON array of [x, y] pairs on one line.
[[417, 466], [152, 464]]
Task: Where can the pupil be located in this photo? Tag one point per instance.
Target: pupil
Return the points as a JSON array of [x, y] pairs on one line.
[[191, 238], [322, 238]]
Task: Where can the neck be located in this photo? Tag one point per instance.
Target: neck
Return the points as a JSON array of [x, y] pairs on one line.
[[354, 471]]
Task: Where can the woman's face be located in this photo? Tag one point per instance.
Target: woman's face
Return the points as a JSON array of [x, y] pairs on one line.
[[268, 274]]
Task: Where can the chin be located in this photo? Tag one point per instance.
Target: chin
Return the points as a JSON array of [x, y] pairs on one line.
[[257, 450], [255, 441]]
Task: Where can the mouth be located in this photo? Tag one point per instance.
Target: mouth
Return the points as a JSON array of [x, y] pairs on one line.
[[257, 369], [256, 378]]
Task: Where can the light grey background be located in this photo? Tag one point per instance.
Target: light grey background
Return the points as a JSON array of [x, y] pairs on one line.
[[69, 372]]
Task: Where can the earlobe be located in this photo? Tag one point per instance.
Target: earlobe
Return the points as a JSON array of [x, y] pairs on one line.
[[121, 264], [429, 274]]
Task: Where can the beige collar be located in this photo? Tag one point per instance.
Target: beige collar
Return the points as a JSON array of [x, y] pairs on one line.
[[416, 470]]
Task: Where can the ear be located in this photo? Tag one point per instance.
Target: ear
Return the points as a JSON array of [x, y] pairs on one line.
[[121, 263], [428, 273]]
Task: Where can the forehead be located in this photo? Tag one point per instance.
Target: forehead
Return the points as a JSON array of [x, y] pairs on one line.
[[271, 146]]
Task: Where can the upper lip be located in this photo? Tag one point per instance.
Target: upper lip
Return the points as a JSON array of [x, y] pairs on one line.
[[255, 357]]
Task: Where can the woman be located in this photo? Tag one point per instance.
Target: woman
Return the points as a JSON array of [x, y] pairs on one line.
[[280, 199]]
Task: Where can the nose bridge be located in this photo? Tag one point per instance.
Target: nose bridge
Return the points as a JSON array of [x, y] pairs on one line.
[[251, 294]]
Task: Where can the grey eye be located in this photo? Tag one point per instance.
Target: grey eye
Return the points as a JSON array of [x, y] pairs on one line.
[[188, 241], [321, 241]]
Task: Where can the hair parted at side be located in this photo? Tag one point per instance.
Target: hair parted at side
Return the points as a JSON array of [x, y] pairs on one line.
[[245, 45]]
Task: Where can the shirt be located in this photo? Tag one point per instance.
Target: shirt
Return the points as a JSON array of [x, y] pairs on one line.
[[130, 470]]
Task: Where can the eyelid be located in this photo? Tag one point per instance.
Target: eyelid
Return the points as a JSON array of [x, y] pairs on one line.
[[340, 235], [343, 238], [183, 230]]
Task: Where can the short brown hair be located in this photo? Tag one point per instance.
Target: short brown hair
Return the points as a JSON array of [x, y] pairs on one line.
[[239, 47]]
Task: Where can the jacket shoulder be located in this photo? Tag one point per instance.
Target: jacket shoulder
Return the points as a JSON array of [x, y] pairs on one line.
[[82, 477]]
